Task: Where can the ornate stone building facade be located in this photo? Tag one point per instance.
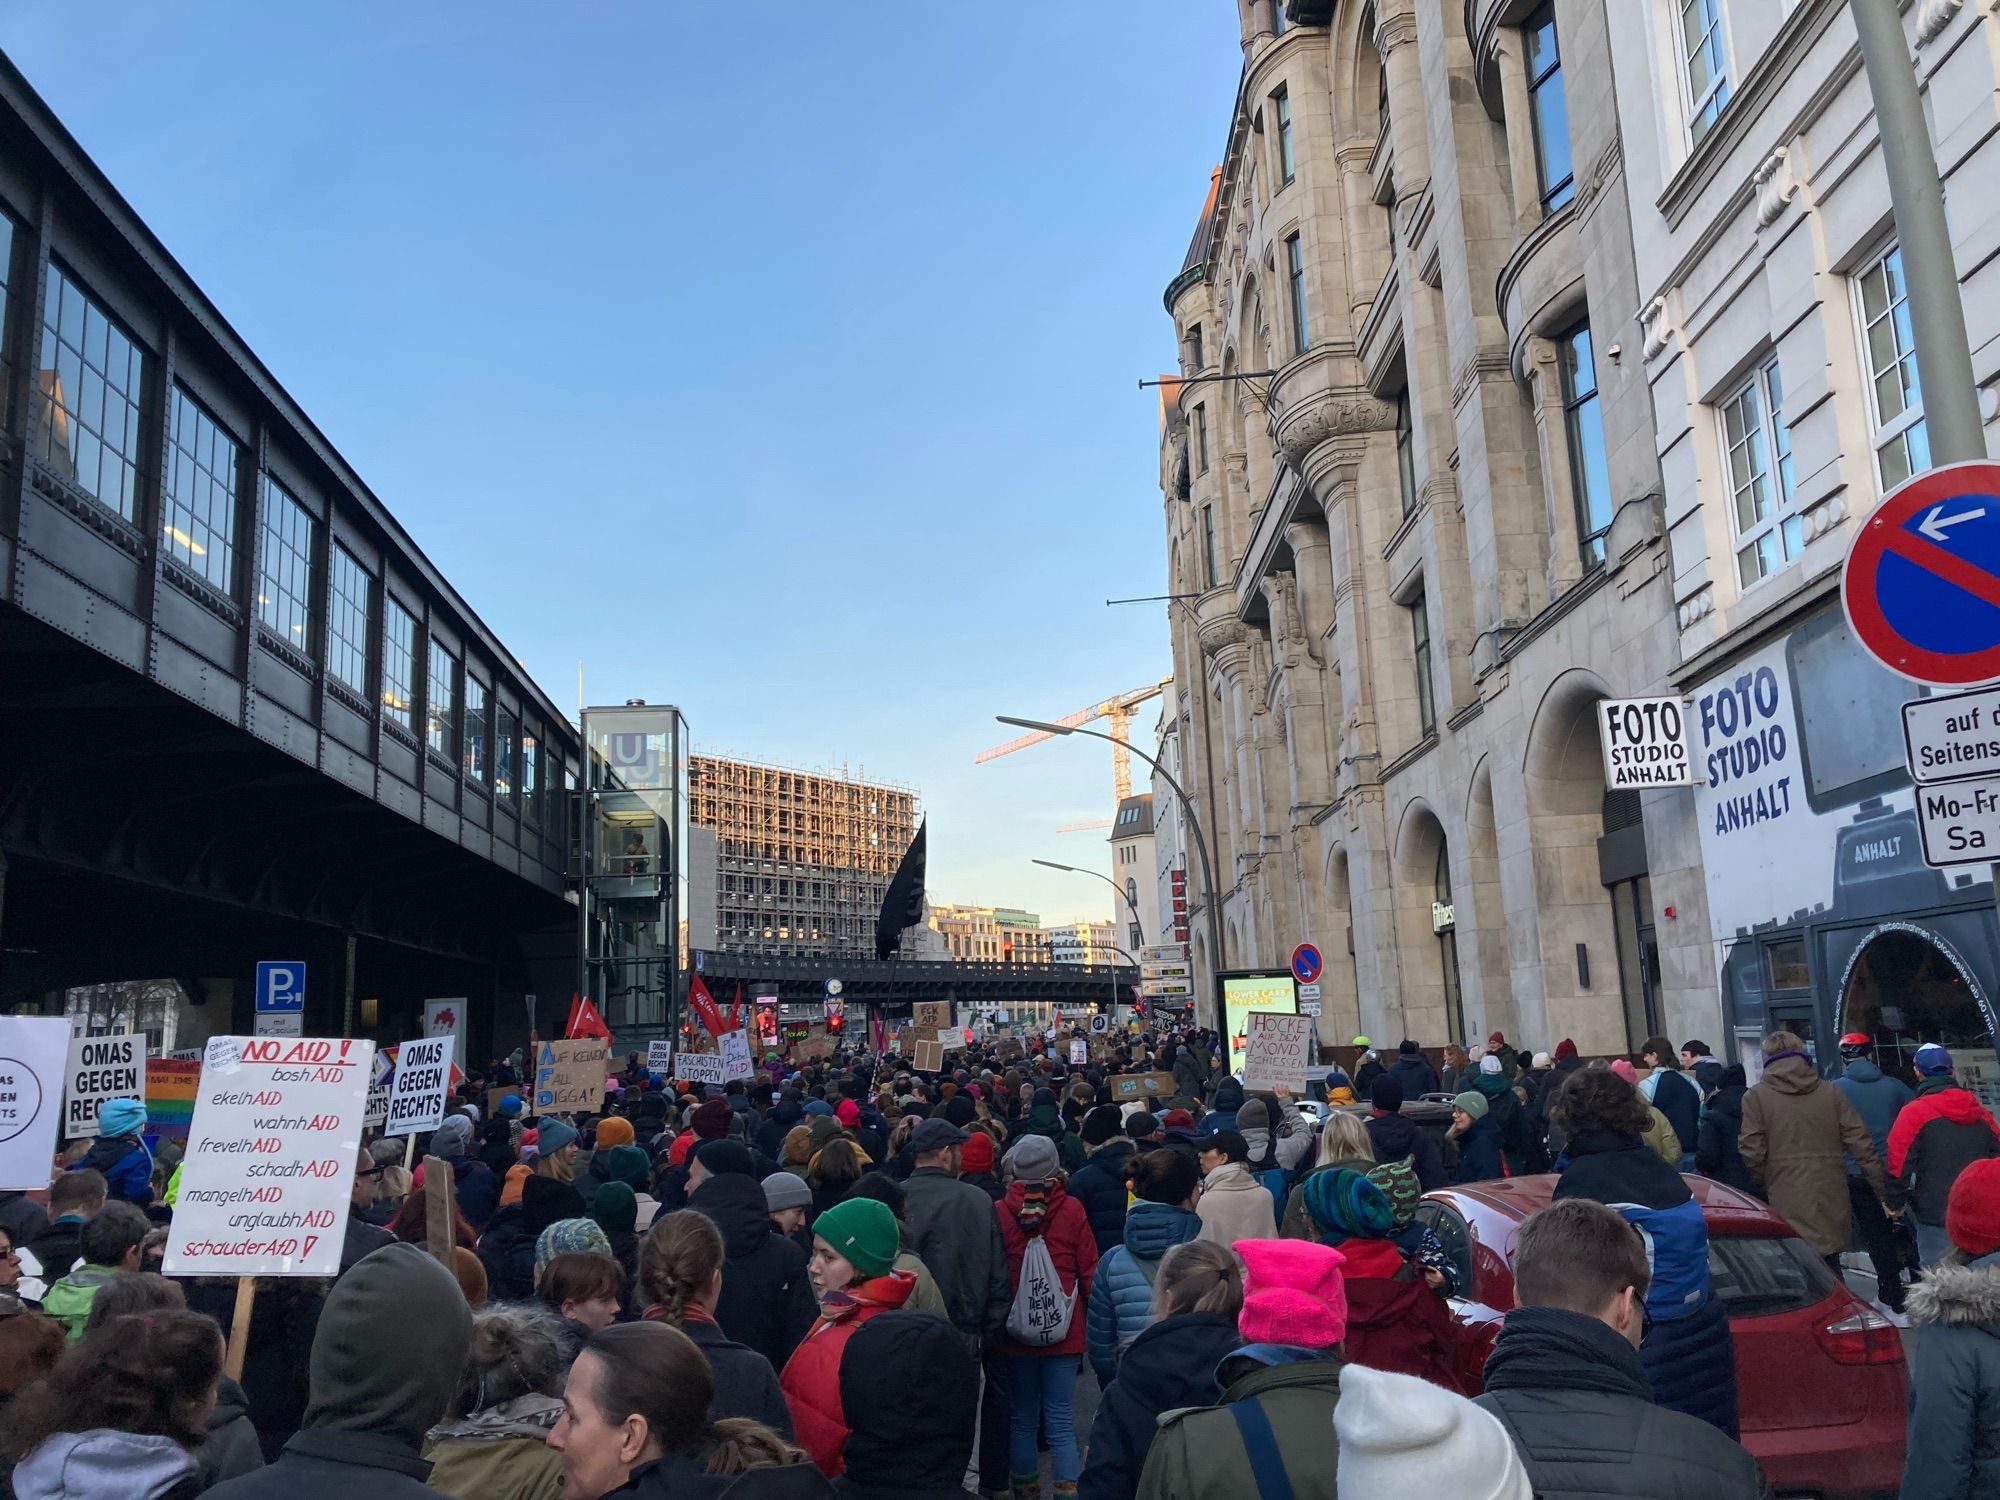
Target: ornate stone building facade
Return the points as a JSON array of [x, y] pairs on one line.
[[1417, 531]]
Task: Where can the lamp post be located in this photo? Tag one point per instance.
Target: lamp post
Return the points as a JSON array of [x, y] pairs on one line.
[[1123, 894], [1215, 959]]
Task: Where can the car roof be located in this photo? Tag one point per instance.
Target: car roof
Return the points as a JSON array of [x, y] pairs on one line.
[[1723, 1207]]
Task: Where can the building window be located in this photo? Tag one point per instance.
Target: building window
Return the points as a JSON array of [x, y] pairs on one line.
[[1295, 270], [6, 294], [503, 753], [1902, 440], [1279, 23], [1770, 533], [1197, 355], [87, 398], [1583, 425], [1705, 67], [1288, 167], [198, 520], [1201, 439], [440, 699], [399, 663], [284, 569], [1420, 645], [475, 729], [531, 787], [1548, 110], [1406, 452], [1208, 545], [347, 620]]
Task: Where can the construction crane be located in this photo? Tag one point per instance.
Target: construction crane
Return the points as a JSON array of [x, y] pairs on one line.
[[1117, 710], [1091, 827]]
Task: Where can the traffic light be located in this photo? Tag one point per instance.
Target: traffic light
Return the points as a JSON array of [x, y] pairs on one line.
[[836, 1023]]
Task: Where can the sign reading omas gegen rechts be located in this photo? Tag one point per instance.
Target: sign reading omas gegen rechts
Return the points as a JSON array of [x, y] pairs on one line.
[[1644, 742], [101, 1068]]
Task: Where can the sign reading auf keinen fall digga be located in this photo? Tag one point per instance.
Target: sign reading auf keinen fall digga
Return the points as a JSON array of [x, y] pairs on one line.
[[270, 1159]]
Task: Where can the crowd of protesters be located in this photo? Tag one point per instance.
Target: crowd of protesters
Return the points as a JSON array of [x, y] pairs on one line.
[[852, 1276]]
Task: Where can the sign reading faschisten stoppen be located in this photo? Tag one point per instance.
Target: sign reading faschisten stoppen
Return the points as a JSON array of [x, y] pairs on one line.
[[1644, 742]]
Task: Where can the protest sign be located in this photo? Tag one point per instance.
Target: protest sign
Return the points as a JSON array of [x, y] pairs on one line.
[[950, 1037], [659, 1055], [1125, 1087], [570, 1076], [101, 1068], [270, 1157], [1279, 1048], [1079, 1052], [930, 1057], [171, 1084], [381, 1073], [931, 1015], [698, 1067], [33, 1050], [734, 1047], [416, 1094]]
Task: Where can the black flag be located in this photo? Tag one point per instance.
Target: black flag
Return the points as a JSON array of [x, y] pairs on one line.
[[903, 903]]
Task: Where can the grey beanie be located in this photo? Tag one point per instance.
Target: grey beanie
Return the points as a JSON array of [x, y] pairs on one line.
[[786, 1190], [1033, 1159]]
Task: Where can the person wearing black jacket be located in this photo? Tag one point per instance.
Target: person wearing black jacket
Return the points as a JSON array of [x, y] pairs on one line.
[[1564, 1377], [1099, 1184], [787, 1112], [1170, 1365], [507, 1248], [1716, 1154], [681, 1269], [1395, 1136], [907, 1438], [1566, 1062], [767, 1301], [1413, 1071]]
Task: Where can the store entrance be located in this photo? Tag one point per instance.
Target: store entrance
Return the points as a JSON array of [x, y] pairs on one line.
[[1906, 987]]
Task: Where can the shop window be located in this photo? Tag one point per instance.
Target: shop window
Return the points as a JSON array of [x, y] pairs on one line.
[[1785, 963]]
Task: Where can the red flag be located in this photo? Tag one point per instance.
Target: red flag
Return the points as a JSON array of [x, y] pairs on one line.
[[584, 1021], [736, 1009], [704, 1006]]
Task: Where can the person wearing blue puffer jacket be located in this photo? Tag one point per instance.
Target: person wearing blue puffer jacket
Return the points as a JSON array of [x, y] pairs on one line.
[[1688, 1355], [1222, 1112], [1121, 1298], [120, 1153]]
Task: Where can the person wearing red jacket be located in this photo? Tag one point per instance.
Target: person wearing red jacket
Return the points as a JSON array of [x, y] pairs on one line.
[[1936, 1136], [854, 1250], [1042, 1376]]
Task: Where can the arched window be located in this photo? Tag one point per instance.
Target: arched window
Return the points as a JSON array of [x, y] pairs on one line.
[[1444, 918]]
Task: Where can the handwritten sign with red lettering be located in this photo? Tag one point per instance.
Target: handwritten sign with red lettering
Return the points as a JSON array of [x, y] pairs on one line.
[[270, 1157]]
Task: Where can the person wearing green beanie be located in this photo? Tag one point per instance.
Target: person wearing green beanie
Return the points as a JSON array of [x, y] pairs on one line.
[[630, 1165], [852, 1269], [1478, 1137]]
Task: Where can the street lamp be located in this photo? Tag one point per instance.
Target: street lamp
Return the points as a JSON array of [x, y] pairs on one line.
[[1123, 894], [1194, 827]]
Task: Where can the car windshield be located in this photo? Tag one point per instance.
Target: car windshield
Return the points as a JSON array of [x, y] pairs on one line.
[[1759, 1275]]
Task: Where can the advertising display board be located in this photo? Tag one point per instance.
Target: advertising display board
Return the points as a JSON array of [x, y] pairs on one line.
[[1245, 992]]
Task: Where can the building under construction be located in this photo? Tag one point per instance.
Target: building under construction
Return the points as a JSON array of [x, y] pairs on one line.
[[802, 859]]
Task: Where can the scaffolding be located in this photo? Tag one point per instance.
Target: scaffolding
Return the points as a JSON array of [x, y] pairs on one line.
[[803, 858]]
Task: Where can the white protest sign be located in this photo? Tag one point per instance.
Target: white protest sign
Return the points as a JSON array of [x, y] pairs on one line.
[[33, 1050], [659, 1055], [447, 1018], [698, 1067], [1079, 1052], [1279, 1048], [735, 1050], [381, 1071], [1645, 742], [949, 1037], [101, 1068], [270, 1157], [416, 1096]]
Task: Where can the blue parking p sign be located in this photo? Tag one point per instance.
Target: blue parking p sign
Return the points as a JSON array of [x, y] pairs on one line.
[[281, 986]]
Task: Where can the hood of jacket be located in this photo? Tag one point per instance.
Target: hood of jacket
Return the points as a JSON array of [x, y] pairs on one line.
[[1551, 1348], [1956, 1296], [1791, 1075], [1228, 1096], [1230, 1177], [1493, 1085], [523, 1417], [735, 1204], [1046, 1119], [1864, 1070], [90, 1465], [787, 1112], [1157, 1365], [913, 1432], [391, 1343], [1959, 1105], [108, 1150], [887, 1292], [1152, 1229]]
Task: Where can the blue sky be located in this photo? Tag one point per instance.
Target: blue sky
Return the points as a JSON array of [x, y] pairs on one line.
[[775, 360]]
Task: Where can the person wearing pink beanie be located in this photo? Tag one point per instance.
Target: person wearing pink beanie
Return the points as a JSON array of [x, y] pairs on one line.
[[1278, 1392]]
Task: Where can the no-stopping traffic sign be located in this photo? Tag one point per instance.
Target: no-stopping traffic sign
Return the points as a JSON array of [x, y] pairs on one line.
[[1921, 585]]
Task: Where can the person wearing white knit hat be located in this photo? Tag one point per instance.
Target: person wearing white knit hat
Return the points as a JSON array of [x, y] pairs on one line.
[[1403, 1436]]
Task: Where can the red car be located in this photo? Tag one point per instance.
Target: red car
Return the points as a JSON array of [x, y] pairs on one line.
[[1823, 1390]]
